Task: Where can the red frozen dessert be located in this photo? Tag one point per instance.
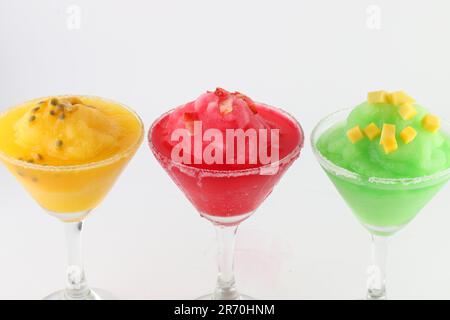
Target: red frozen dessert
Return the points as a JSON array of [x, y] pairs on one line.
[[226, 152]]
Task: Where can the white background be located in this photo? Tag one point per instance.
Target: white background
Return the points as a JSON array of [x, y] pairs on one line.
[[309, 57]]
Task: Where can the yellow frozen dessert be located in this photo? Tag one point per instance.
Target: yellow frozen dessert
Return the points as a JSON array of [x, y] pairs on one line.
[[67, 151]]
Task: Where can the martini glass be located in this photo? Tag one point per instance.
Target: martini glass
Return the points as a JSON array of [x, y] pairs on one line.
[[226, 197], [70, 193], [383, 206]]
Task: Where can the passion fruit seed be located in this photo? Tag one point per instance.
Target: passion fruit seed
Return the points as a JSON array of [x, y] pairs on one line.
[[67, 105], [36, 109], [32, 118], [59, 143]]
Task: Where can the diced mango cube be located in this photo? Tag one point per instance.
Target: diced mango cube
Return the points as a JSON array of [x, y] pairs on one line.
[[407, 111], [377, 97], [388, 98], [408, 134], [372, 131], [399, 97], [355, 134], [431, 123], [388, 131], [389, 144], [388, 140]]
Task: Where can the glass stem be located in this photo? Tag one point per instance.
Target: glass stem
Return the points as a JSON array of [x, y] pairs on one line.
[[76, 286], [226, 287], [376, 282]]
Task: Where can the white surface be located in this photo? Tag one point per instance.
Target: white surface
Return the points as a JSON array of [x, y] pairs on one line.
[[308, 57]]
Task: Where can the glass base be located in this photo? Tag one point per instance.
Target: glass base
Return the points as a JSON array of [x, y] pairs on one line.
[[94, 294], [376, 295], [211, 297]]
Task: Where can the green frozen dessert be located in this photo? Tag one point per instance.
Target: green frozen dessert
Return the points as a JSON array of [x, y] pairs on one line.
[[387, 159]]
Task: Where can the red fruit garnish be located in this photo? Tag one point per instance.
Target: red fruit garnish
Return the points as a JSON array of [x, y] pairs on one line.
[[190, 116], [221, 93], [251, 105], [226, 106]]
